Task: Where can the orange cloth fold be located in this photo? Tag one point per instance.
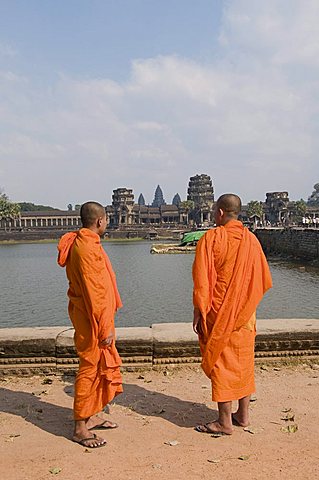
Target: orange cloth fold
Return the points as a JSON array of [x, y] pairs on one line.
[[93, 301], [231, 275]]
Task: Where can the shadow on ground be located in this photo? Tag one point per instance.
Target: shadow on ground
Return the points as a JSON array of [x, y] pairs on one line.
[[34, 409], [151, 403], [156, 404]]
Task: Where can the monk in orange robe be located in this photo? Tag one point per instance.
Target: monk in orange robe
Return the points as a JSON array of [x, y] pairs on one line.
[[230, 275], [93, 301]]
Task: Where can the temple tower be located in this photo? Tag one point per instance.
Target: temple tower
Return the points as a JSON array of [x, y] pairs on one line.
[[176, 200], [123, 203], [276, 207], [201, 193], [158, 198], [141, 200]]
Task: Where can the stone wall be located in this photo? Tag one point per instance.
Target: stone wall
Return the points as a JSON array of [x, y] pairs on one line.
[[293, 242], [111, 233], [25, 351], [31, 236]]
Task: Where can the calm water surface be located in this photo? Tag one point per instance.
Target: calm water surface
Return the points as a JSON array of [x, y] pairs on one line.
[[154, 288]]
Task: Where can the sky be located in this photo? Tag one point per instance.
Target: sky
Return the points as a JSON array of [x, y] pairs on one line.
[[101, 94]]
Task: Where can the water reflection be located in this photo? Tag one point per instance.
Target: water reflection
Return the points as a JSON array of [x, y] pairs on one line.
[[154, 288]]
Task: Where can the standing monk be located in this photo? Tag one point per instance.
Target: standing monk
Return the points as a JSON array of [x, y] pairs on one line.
[[231, 275], [93, 301]]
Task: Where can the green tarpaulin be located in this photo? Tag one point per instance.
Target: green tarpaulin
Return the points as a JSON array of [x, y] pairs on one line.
[[191, 237]]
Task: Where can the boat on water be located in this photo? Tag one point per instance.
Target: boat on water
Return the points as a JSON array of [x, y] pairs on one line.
[[187, 244]]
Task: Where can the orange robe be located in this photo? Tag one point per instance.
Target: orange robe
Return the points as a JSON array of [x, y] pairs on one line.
[[93, 301], [230, 275]]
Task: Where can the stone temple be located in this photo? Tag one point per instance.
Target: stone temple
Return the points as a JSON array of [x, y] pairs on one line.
[[276, 206], [201, 193], [197, 211], [199, 208]]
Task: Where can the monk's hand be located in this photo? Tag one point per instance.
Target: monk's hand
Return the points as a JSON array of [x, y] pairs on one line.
[[197, 322], [107, 342]]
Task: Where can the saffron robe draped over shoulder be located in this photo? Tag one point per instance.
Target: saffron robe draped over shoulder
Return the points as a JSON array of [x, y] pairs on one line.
[[93, 301], [231, 275]]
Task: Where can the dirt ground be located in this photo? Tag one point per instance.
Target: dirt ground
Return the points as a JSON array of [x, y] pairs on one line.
[[159, 408]]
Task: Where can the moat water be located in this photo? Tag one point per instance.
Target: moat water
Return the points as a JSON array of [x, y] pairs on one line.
[[154, 288]]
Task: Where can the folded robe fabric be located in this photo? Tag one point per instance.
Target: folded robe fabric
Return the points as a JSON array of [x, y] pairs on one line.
[[230, 275], [93, 301]]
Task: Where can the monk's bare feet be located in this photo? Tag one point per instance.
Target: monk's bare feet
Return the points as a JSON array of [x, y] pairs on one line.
[[99, 423], [84, 437], [241, 417], [214, 428], [239, 420], [92, 441]]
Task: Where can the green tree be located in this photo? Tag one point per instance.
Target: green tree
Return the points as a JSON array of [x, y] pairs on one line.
[[31, 207], [8, 210], [299, 211], [254, 208], [301, 208]]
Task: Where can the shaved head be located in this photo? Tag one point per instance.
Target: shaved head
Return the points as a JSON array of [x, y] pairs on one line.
[[227, 208], [230, 203], [90, 212]]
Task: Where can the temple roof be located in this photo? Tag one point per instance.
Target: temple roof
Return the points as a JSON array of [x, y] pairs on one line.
[[169, 208]]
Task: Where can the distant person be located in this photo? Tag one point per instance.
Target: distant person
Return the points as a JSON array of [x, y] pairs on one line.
[[93, 301], [231, 275]]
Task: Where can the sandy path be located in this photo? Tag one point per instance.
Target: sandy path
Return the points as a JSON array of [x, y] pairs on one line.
[[162, 407]]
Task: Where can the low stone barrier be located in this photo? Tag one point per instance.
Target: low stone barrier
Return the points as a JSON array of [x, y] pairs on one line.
[[301, 243], [47, 350]]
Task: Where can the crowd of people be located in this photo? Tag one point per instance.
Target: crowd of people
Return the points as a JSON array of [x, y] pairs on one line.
[[308, 221]]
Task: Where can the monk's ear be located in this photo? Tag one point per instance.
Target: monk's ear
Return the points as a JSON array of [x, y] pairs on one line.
[[221, 212]]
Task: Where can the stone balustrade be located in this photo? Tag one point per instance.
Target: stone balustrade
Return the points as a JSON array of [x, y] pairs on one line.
[[25, 351]]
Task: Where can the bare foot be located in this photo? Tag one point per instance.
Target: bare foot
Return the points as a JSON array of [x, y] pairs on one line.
[[98, 422], [92, 441], [214, 428], [239, 421], [84, 437]]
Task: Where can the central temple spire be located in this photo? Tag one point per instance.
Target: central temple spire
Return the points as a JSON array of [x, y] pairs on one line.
[[158, 198]]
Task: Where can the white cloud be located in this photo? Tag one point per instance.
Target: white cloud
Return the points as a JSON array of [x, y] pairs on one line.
[[282, 31], [249, 119]]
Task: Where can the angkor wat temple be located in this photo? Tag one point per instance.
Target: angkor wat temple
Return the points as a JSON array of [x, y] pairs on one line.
[[196, 210]]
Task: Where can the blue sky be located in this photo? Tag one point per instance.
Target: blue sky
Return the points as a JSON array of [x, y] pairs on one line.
[[96, 95], [99, 38]]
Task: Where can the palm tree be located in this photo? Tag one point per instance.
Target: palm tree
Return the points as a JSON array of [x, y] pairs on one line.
[[255, 209]]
